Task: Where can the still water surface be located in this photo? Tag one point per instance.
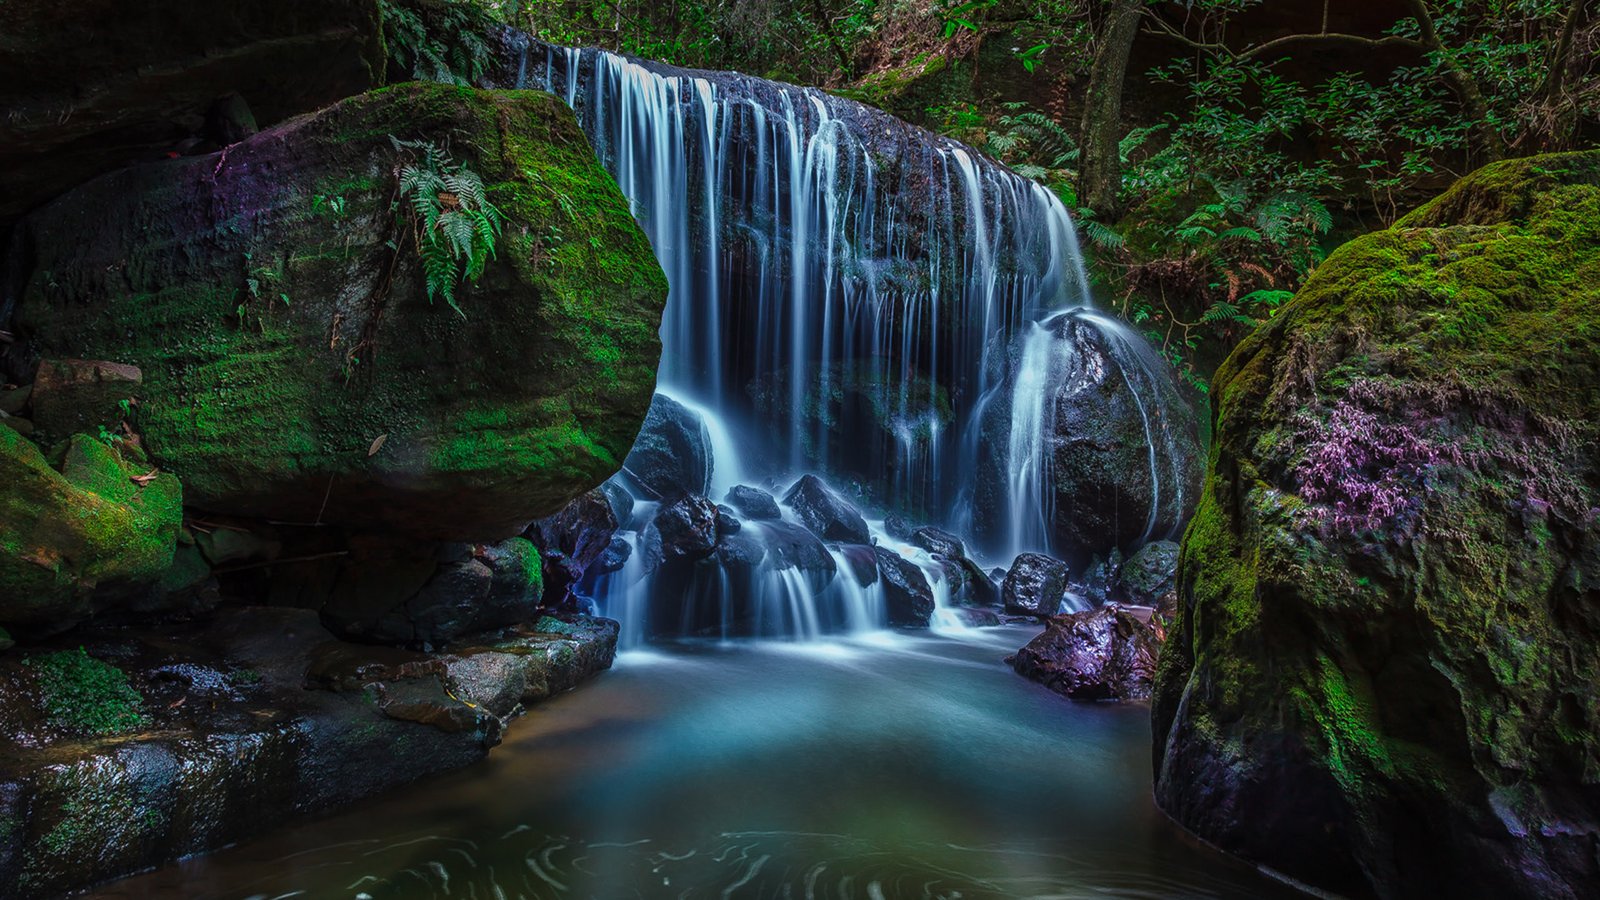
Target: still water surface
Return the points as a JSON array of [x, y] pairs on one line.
[[889, 766]]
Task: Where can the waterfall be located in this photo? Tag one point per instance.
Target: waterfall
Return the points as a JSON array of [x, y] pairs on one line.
[[845, 291]]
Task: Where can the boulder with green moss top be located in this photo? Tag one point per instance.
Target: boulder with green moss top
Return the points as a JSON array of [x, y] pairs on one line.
[[1383, 676], [80, 535], [294, 366]]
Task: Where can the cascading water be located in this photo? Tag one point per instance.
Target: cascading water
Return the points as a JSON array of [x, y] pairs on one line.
[[845, 289]]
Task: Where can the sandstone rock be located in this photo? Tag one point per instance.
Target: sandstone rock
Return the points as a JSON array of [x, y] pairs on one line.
[[276, 350], [75, 395], [78, 540], [1381, 681]]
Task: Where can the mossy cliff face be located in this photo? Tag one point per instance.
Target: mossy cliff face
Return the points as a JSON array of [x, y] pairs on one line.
[[1384, 678], [280, 335], [75, 535]]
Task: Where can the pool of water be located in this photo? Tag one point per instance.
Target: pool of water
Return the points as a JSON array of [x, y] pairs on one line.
[[889, 766]]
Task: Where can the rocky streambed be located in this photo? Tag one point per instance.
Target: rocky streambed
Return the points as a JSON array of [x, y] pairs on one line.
[[130, 748]]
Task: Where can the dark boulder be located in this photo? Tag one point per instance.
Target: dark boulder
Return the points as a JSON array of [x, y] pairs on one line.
[[671, 457], [1149, 577], [792, 547], [687, 528], [828, 515], [1383, 675], [1124, 456], [896, 526], [907, 595], [753, 503], [727, 520], [1035, 585], [397, 593], [293, 371], [1102, 654], [939, 542], [862, 561]]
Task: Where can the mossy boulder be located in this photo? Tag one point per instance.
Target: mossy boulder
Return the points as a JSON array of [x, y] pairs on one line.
[[77, 536], [1384, 674], [294, 366], [97, 85]]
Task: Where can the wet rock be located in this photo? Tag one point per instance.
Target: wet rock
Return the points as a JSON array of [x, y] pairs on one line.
[[80, 104], [753, 503], [742, 551], [907, 595], [1102, 654], [828, 515], [581, 531], [687, 528], [1149, 577], [727, 520], [1125, 458], [939, 542], [449, 428], [1035, 585], [793, 547], [896, 526], [862, 561], [253, 720], [672, 456], [978, 617]]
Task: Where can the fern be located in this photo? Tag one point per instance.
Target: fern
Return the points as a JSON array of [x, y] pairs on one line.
[[455, 225]]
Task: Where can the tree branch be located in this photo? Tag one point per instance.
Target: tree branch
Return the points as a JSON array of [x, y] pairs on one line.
[[1259, 49]]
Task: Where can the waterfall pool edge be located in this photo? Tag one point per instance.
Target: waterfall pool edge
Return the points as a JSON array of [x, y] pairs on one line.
[[899, 764]]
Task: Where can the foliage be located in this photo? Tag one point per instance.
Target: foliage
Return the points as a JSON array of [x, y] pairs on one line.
[[81, 694], [454, 50], [454, 224]]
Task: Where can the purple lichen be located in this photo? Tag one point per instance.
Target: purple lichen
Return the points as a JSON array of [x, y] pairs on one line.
[[1360, 472]]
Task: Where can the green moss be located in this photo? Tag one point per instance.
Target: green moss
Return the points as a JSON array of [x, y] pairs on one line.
[[1428, 663], [268, 409], [83, 695], [549, 625], [66, 537]]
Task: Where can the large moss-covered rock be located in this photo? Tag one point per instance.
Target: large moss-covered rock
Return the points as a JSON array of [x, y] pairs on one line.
[[1385, 671], [281, 337], [76, 536], [93, 86]]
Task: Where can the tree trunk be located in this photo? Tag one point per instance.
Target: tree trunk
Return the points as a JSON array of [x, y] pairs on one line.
[[1100, 163], [1466, 88]]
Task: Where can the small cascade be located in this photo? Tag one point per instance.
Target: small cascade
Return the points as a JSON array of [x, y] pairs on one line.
[[849, 295]]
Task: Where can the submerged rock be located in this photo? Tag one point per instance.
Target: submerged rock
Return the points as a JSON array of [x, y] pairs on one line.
[[671, 456], [828, 515], [294, 370], [1101, 654], [1383, 674], [1035, 585]]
